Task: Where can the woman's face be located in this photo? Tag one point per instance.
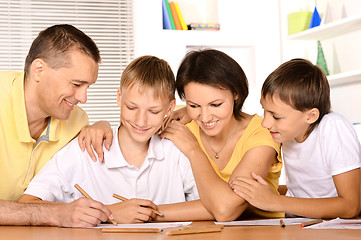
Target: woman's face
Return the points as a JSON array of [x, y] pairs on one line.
[[210, 107]]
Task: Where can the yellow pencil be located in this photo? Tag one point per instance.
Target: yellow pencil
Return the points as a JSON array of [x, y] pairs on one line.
[[87, 196], [124, 199]]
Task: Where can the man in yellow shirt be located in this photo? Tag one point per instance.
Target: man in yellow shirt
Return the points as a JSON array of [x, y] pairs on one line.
[[39, 115]]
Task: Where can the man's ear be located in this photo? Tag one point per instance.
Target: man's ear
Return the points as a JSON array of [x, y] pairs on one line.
[[312, 115], [37, 68], [119, 96]]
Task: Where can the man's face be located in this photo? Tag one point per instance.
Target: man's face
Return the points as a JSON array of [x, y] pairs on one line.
[[61, 89]]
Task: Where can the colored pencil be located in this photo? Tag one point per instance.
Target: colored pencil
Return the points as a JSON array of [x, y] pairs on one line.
[[131, 230], [309, 223], [87, 196], [195, 229], [282, 223], [124, 199]]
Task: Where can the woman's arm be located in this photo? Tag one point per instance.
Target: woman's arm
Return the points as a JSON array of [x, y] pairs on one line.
[[184, 211], [347, 205], [216, 194]]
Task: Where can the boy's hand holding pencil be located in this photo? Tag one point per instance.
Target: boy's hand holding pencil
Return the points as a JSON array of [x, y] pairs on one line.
[[134, 210], [125, 199]]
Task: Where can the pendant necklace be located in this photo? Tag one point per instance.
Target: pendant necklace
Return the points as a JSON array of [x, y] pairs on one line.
[[217, 153]]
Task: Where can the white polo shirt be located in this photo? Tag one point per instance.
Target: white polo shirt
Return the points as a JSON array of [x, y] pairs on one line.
[[332, 148], [164, 177]]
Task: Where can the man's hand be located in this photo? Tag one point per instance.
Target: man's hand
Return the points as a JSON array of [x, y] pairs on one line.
[[94, 135]]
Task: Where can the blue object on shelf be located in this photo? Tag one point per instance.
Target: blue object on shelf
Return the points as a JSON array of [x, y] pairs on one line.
[[166, 20], [316, 19]]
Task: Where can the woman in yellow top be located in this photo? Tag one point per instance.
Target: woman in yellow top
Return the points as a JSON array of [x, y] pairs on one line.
[[221, 141]]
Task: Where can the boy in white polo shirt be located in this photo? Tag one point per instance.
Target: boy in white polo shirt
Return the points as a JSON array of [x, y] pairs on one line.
[[140, 165]]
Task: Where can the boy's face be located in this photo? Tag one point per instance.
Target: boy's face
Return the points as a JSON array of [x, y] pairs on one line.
[[142, 114], [283, 121]]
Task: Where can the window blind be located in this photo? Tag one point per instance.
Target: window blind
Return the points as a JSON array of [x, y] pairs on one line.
[[108, 22]]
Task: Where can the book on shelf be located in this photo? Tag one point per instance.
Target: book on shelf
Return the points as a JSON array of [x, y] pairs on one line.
[[174, 19], [166, 20], [175, 16], [180, 16], [204, 26], [169, 14]]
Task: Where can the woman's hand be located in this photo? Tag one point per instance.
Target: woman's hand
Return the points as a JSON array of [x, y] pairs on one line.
[[94, 135], [181, 115], [181, 136]]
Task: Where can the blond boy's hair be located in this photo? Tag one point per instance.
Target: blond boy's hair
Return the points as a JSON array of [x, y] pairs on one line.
[[302, 85], [150, 71]]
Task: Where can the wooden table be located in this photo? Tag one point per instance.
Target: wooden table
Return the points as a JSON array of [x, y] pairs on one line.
[[228, 233]]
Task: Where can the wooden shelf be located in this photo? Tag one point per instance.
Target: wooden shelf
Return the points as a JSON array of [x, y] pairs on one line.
[[345, 78], [329, 30]]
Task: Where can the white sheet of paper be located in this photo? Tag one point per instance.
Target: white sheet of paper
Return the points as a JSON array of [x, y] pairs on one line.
[[266, 222], [338, 223], [159, 225]]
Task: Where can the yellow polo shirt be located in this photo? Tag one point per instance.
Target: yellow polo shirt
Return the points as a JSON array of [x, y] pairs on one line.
[[21, 157]]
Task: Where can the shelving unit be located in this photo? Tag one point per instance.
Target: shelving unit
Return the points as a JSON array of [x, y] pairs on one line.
[[329, 30], [332, 30], [343, 78]]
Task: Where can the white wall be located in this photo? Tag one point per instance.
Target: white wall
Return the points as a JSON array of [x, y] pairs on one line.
[[250, 33], [342, 53]]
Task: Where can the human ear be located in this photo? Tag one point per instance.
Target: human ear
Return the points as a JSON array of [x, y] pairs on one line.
[[167, 117], [171, 107], [312, 115], [235, 97], [37, 69], [119, 96]]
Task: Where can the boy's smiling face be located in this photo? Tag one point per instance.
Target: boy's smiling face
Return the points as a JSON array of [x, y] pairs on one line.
[[283, 121], [142, 113]]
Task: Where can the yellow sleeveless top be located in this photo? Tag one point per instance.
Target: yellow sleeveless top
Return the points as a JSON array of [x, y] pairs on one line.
[[253, 136]]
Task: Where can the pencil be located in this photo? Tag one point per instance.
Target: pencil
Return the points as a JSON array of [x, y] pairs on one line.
[[131, 230], [124, 199], [282, 223], [87, 196], [309, 223], [196, 229]]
